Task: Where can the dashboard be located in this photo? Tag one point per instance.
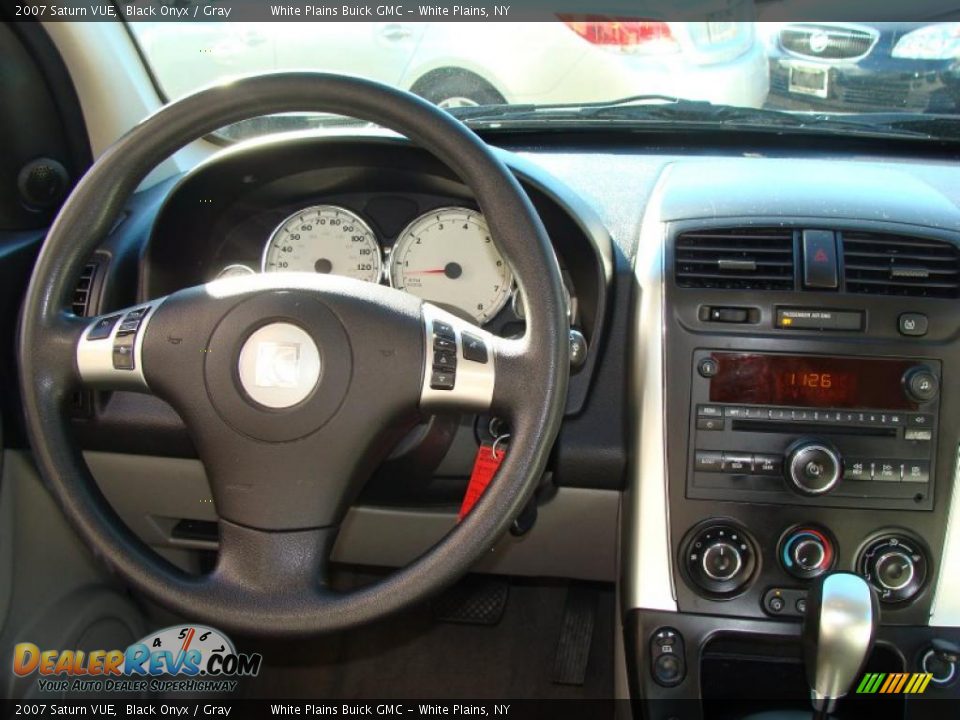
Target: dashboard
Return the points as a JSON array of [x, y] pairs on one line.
[[767, 367]]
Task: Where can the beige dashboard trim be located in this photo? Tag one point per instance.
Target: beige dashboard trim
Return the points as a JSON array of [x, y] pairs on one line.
[[648, 581]]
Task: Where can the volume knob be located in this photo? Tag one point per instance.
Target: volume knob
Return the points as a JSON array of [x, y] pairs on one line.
[[813, 467]]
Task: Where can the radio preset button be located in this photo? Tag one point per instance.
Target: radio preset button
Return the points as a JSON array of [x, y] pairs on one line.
[[735, 412], [757, 414]]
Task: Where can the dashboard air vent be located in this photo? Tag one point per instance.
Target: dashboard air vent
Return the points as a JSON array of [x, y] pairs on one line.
[[82, 293], [735, 258], [883, 264]]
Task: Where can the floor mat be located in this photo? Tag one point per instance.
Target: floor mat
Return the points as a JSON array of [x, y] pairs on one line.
[[412, 656]]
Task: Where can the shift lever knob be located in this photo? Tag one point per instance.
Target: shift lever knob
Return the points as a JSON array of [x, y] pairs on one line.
[[838, 633]]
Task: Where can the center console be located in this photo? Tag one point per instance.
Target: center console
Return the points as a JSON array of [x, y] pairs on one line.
[[810, 422]]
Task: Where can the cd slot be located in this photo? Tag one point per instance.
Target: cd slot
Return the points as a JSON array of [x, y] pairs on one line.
[[796, 428]]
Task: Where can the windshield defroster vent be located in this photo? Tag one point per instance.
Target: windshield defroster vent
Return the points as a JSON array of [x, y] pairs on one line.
[[736, 259], [883, 264]]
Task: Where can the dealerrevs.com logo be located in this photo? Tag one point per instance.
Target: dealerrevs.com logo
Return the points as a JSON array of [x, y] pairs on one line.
[[191, 658]]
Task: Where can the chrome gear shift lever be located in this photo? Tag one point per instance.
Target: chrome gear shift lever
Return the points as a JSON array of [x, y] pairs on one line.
[[838, 632]]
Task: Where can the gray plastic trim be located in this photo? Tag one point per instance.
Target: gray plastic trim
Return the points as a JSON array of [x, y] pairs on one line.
[[575, 535]]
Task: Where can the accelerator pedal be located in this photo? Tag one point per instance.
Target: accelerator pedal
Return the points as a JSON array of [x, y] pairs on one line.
[[576, 634]]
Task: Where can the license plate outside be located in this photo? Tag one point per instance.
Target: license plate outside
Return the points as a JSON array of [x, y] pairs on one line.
[[808, 80]]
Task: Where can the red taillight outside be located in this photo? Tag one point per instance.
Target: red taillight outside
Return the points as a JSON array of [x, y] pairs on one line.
[[627, 35]]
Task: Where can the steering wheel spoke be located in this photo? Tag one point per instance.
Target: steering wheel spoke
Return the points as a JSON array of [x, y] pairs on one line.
[[110, 349], [460, 367], [257, 562]]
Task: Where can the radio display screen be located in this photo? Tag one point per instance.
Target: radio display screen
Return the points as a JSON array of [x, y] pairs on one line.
[[809, 381]]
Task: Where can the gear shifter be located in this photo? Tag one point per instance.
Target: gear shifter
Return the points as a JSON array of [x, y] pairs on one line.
[[838, 632]]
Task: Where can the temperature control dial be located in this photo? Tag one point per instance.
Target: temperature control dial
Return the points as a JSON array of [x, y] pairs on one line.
[[806, 552], [895, 565], [813, 467], [719, 558]]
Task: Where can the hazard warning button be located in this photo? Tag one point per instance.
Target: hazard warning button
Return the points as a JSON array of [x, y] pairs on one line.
[[820, 259]]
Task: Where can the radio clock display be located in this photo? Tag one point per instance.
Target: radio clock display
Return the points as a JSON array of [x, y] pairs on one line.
[[809, 381]]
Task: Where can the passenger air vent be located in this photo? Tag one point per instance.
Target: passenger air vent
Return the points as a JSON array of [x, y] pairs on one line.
[[736, 259], [882, 264], [84, 290]]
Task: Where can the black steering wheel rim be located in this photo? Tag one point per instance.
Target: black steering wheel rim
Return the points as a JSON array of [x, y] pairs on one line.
[[533, 374]]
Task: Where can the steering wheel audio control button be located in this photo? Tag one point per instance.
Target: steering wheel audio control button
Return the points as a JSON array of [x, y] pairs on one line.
[[443, 330], [450, 382], [123, 352], [442, 380]]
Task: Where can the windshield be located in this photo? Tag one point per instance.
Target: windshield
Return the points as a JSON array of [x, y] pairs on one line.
[[827, 76]]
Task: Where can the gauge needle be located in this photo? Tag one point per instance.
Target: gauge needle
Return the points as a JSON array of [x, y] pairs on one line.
[[452, 270]]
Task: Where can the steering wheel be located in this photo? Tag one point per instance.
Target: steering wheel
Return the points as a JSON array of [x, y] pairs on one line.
[[292, 386]]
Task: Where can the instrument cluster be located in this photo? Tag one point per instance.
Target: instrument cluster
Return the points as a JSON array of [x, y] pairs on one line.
[[445, 255]]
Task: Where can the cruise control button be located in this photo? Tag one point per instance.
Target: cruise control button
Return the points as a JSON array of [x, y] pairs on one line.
[[474, 348], [442, 380], [102, 329], [738, 463], [917, 471], [708, 461], [857, 470]]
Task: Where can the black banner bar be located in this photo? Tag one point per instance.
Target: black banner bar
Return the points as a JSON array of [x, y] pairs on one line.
[[478, 10]]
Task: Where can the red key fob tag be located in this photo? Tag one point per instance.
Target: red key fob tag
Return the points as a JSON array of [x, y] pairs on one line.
[[485, 466]]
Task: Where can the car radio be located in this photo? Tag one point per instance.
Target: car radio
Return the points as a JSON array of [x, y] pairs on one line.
[[813, 429]]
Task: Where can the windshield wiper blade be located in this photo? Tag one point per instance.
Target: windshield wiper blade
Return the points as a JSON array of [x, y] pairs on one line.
[[664, 109]]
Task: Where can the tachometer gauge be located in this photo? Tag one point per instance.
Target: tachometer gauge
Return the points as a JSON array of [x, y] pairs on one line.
[[448, 258], [324, 239]]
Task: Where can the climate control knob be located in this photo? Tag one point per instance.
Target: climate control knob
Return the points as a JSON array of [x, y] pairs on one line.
[[806, 552], [813, 467], [895, 565]]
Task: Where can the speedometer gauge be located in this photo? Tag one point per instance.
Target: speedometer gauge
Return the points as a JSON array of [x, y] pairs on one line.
[[448, 258], [324, 239]]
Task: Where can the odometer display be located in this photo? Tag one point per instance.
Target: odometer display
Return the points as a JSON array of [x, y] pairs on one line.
[[324, 239], [447, 257]]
